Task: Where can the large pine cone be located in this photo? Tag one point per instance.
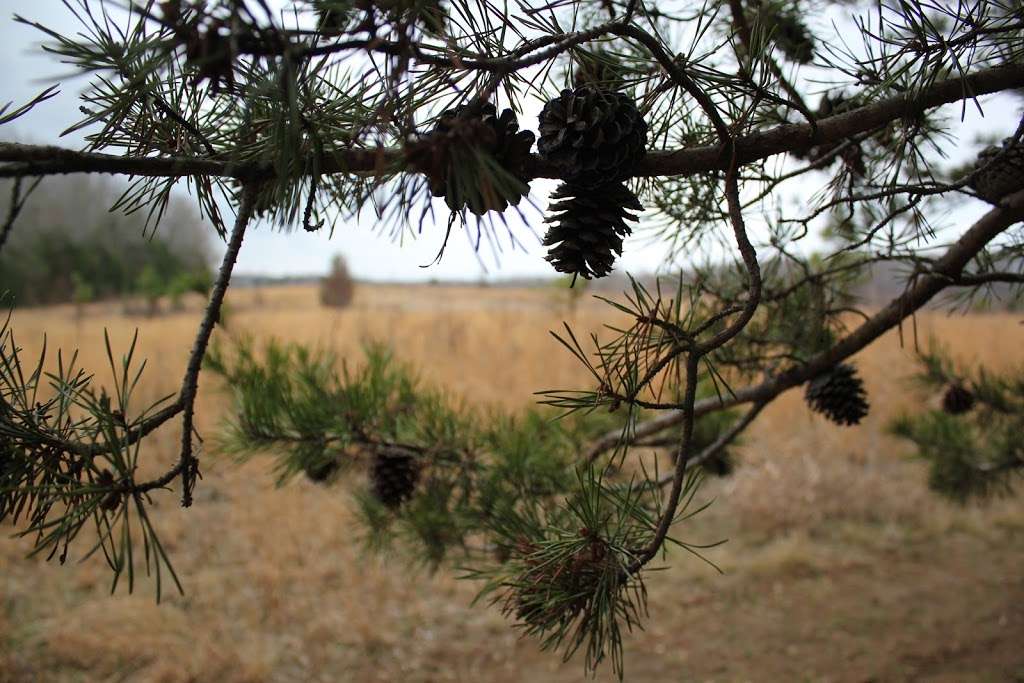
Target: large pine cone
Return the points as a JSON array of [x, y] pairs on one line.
[[588, 225], [393, 477], [593, 136], [838, 395], [1005, 175], [450, 157]]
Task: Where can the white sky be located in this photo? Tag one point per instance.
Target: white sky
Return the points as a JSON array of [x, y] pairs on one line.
[[372, 256]]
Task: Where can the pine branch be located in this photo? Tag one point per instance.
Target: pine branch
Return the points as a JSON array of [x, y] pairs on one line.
[[973, 443], [976, 279], [945, 270], [37, 160], [723, 440]]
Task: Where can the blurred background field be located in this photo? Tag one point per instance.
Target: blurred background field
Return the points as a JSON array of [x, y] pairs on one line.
[[840, 565]]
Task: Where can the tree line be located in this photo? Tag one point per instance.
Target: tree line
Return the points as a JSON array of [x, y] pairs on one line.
[[68, 246]]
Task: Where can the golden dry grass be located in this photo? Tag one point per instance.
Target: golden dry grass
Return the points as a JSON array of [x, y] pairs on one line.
[[841, 566]]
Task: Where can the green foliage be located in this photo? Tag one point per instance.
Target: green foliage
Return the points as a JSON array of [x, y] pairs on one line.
[[553, 541], [67, 462], [569, 579], [709, 428], [149, 284], [82, 291], [199, 282], [975, 454]]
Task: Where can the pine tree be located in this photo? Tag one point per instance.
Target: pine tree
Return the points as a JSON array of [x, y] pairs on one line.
[[709, 117]]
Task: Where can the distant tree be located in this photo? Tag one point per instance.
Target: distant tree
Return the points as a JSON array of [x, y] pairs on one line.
[[151, 287], [337, 288], [82, 293], [734, 129], [73, 234], [188, 283]]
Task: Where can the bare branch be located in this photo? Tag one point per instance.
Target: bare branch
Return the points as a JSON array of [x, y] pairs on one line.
[[18, 200], [188, 464]]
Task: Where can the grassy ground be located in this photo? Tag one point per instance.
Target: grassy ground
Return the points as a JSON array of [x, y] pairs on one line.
[[840, 565]]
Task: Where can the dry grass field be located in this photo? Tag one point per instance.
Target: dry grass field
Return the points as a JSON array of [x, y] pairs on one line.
[[840, 565]]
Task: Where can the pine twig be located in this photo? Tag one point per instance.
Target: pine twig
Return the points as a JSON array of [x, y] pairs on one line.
[[944, 271], [14, 210], [188, 464]]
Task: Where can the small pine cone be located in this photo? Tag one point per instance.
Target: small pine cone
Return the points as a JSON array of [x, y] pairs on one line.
[[393, 477], [852, 154], [600, 70], [458, 136], [838, 395], [957, 400], [321, 471], [112, 500], [332, 19], [1005, 175], [723, 464], [789, 32], [587, 227], [210, 51], [593, 136]]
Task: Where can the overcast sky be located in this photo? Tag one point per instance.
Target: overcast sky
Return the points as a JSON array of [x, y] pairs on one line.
[[273, 252]]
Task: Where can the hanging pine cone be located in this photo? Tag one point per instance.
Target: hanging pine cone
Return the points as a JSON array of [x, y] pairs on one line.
[[957, 400], [1005, 175], [321, 471], [334, 15], [450, 157], [838, 395], [593, 136], [722, 464], [393, 477], [789, 32], [587, 227]]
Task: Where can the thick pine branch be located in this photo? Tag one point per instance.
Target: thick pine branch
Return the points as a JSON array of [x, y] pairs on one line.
[[37, 160]]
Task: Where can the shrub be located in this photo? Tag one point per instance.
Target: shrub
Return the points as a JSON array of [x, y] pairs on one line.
[[337, 289]]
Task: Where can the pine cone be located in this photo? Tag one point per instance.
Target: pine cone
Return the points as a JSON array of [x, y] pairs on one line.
[[393, 477], [852, 154], [321, 471], [454, 145], [957, 400], [334, 16], [1005, 175], [838, 395], [790, 33], [593, 136], [723, 464], [587, 227], [600, 70]]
